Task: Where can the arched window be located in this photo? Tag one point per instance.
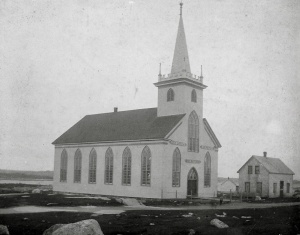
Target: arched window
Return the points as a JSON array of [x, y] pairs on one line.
[[77, 166], [126, 174], [194, 96], [176, 168], [207, 170], [170, 95], [109, 166], [193, 133], [63, 166], [146, 166], [92, 166]]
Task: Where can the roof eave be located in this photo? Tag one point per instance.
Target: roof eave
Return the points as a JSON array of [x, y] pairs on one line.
[[211, 134], [180, 81]]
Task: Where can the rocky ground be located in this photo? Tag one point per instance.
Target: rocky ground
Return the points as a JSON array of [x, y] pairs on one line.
[[277, 220], [283, 220]]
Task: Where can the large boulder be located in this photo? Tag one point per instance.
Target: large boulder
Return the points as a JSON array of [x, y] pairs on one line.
[[3, 230], [84, 227]]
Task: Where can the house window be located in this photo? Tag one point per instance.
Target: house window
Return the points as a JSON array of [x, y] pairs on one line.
[[249, 169], [257, 170], [170, 95], [247, 187], [194, 96], [193, 132], [63, 166], [92, 166], [259, 188], [176, 168], [207, 170], [77, 166], [275, 188], [288, 187], [109, 166], [146, 166], [126, 174]]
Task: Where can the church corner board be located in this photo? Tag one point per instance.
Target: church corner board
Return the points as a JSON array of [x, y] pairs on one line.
[[164, 152]]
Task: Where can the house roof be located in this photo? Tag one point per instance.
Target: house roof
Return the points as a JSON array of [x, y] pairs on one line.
[[211, 134], [222, 181], [141, 124], [272, 165]]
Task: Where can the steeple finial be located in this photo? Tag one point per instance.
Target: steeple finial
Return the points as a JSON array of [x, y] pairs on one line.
[[181, 7], [159, 75], [201, 72]]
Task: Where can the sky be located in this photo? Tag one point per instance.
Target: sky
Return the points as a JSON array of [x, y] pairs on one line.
[[61, 60]]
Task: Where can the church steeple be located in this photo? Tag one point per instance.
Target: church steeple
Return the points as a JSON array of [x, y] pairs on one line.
[[181, 61], [178, 89]]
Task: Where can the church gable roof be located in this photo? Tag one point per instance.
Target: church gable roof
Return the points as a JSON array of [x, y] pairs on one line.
[[211, 134], [141, 124], [272, 165]]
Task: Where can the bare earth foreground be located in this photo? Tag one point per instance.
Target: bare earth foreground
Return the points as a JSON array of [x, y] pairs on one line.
[[171, 217]]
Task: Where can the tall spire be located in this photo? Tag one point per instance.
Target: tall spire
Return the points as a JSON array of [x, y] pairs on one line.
[[181, 61]]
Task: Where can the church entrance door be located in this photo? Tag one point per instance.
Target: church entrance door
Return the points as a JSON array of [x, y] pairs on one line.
[[192, 183]]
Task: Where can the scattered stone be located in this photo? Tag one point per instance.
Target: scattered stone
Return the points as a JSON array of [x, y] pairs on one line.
[[218, 223], [84, 227], [152, 224], [25, 219], [257, 198], [235, 217], [220, 215], [36, 191], [192, 232], [4, 230], [246, 217], [109, 212], [198, 218], [248, 222]]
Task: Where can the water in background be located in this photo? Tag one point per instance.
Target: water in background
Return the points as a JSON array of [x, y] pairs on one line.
[[36, 182]]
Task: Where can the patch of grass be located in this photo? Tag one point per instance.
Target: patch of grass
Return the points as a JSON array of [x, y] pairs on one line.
[[52, 200]]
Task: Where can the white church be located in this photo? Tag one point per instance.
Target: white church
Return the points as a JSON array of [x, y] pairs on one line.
[[165, 152]]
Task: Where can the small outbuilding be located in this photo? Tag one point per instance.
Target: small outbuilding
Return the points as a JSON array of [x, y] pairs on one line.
[[229, 184], [266, 177]]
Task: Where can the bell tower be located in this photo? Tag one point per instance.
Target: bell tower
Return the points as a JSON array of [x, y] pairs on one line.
[[180, 91]]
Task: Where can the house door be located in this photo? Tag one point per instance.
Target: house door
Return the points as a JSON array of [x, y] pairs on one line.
[[192, 183], [258, 188], [281, 188]]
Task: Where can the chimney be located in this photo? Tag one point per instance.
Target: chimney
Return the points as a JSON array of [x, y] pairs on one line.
[[265, 154], [115, 109]]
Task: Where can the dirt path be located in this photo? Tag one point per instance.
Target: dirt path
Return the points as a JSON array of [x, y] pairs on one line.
[[117, 210]]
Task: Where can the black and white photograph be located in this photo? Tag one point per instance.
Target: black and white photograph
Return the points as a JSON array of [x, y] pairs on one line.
[[149, 117]]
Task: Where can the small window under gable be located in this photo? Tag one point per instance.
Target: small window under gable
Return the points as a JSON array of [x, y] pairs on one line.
[[170, 95], [249, 169], [194, 96], [257, 170]]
